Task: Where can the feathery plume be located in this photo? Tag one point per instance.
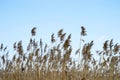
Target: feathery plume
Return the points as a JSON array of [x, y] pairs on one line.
[[33, 31], [83, 32]]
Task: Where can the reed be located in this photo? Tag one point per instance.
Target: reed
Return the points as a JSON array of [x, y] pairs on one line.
[[42, 61]]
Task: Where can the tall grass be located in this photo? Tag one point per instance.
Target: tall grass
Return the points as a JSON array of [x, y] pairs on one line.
[[54, 62]]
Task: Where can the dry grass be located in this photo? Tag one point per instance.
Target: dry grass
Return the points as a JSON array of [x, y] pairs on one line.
[[54, 62]]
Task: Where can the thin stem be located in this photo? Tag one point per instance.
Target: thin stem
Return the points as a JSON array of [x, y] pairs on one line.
[[80, 50]]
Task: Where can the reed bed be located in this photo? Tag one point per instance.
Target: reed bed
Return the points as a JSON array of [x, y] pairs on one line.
[[42, 61]]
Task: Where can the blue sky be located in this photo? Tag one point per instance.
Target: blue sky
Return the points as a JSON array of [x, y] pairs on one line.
[[101, 19]]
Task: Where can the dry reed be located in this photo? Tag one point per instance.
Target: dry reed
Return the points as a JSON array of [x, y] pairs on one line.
[[54, 62]]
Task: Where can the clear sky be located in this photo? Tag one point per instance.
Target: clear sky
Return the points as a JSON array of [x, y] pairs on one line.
[[101, 19]]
